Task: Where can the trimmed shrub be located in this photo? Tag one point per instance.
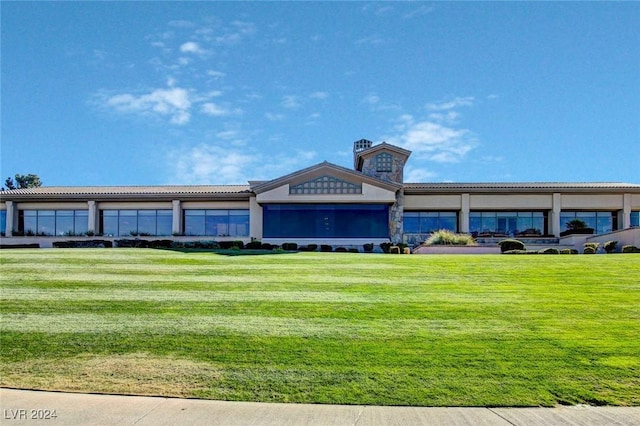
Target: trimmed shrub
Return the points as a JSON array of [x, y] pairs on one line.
[[310, 247], [568, 251], [590, 246], [368, 248], [354, 250], [630, 249], [610, 246], [326, 248], [510, 245], [289, 246], [385, 247], [341, 250], [253, 245], [266, 246], [549, 250], [589, 250], [520, 252], [446, 237]]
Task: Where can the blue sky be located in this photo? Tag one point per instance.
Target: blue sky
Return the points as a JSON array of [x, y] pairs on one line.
[[144, 93]]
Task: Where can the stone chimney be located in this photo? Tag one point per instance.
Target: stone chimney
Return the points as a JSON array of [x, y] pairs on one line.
[[359, 146]]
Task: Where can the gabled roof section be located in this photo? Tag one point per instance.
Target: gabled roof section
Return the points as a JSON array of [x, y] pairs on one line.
[[322, 169], [359, 155]]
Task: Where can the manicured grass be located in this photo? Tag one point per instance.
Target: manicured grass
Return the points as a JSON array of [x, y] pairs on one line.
[[324, 327]]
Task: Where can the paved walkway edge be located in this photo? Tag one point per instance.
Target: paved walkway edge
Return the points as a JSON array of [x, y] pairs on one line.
[[22, 407]]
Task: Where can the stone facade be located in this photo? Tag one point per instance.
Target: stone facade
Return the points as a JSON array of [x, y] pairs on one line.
[[387, 166]]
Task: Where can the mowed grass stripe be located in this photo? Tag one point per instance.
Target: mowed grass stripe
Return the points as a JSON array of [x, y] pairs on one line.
[[329, 328]]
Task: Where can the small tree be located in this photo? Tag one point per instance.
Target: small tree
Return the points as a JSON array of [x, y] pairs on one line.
[[22, 181]]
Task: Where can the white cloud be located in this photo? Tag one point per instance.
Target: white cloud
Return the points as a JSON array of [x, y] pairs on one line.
[[191, 47], [173, 102], [216, 74], [210, 164], [422, 10], [215, 110], [418, 175], [454, 103], [432, 140]]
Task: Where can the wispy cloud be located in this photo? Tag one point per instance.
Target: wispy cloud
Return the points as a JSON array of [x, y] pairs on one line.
[[172, 102], [419, 11], [192, 47], [432, 140], [214, 164], [210, 164], [215, 110], [451, 104]]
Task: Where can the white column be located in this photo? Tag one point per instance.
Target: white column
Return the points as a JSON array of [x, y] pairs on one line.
[[92, 218], [176, 227], [556, 208], [8, 231], [255, 219], [626, 211], [464, 213]]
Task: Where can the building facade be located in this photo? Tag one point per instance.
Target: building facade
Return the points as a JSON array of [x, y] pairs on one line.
[[322, 204]]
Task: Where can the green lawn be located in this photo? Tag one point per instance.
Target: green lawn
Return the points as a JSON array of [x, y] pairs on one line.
[[324, 327]]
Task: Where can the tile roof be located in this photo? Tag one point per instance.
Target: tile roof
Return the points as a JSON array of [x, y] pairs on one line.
[[127, 190], [522, 186]]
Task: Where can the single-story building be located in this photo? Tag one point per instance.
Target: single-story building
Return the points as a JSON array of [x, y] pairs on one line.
[[322, 204]]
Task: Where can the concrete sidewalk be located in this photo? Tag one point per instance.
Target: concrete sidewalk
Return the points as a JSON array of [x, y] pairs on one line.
[[19, 407]]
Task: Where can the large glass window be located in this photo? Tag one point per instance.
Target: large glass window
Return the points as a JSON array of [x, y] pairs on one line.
[[601, 222], [428, 222], [326, 221], [507, 223], [53, 222], [635, 218], [217, 223], [136, 222], [3, 222]]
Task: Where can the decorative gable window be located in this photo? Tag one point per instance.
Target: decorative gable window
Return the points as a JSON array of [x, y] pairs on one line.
[[325, 185], [384, 161]]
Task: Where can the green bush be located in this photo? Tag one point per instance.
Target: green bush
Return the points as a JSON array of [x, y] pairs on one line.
[[368, 248], [589, 250], [568, 251], [226, 245], [354, 250], [385, 247], [341, 250], [593, 246], [253, 245], [510, 244], [610, 246], [326, 248], [446, 237], [266, 246], [289, 246], [310, 247], [630, 249], [520, 252], [549, 250]]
